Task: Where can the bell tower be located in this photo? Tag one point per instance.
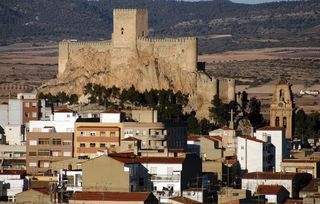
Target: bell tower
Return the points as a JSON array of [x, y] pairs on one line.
[[281, 107]]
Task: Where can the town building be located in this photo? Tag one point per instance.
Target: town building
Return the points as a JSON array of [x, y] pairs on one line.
[[35, 195], [275, 136], [113, 197], [293, 182], [273, 193], [11, 183], [310, 166], [49, 141], [12, 157]]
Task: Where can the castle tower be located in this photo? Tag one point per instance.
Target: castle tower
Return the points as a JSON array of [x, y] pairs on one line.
[[281, 108], [128, 25]]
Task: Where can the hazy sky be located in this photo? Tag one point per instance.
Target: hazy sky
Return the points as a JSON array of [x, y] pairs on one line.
[[253, 1]]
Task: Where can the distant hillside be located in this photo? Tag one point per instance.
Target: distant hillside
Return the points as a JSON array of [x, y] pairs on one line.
[[294, 23]]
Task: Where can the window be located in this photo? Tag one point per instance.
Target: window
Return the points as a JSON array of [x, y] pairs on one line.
[[112, 134], [82, 145], [34, 104], [92, 144], [67, 142], [102, 134], [92, 133], [33, 142], [46, 164], [103, 145], [56, 141], [277, 122], [26, 105], [122, 31], [44, 153], [44, 141], [32, 164], [242, 147], [34, 114], [285, 122], [55, 153], [32, 154], [82, 133], [67, 154], [26, 114], [141, 182]]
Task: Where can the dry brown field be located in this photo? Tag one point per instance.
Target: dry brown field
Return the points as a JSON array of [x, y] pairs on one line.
[[26, 66]]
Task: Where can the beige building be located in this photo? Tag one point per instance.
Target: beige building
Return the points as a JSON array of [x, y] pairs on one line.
[[113, 197], [310, 166], [281, 108], [43, 148], [35, 196], [95, 136], [104, 173]]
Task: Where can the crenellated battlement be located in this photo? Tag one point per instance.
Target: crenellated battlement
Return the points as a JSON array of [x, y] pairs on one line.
[[168, 40], [85, 43]]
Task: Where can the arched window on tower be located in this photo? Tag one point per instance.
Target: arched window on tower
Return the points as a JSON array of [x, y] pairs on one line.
[[285, 122], [122, 31], [281, 95], [277, 121]]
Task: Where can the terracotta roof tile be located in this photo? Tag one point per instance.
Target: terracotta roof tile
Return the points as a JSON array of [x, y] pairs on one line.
[[252, 138], [111, 196], [270, 175], [130, 139], [214, 138], [155, 160], [193, 138], [294, 201], [270, 128], [62, 110], [269, 189], [184, 200], [42, 190], [111, 111]]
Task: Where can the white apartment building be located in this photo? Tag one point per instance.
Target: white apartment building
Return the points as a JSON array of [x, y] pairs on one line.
[[275, 136]]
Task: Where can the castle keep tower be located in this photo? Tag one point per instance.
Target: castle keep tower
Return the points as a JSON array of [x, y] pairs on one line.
[[281, 108], [128, 25]]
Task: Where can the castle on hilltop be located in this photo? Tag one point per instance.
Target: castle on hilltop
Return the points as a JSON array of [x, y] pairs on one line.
[[131, 57]]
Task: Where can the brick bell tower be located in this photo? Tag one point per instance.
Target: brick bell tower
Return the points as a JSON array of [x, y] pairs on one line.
[[281, 107]]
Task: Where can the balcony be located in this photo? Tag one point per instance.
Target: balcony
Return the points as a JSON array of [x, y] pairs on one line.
[[165, 178]]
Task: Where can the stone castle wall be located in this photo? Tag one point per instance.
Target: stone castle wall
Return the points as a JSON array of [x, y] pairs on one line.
[[70, 49], [131, 58]]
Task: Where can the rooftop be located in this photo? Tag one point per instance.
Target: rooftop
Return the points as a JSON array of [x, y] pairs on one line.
[[271, 128], [111, 196], [269, 189], [184, 200], [252, 138], [270, 175]]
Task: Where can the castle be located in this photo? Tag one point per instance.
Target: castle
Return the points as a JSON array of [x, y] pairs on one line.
[[130, 57]]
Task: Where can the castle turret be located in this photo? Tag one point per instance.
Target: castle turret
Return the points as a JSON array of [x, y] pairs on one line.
[[128, 25]]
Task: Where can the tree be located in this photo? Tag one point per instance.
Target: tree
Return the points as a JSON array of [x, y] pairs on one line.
[[254, 114], [219, 111]]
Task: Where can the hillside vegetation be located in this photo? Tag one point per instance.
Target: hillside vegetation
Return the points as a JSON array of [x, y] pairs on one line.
[[294, 23]]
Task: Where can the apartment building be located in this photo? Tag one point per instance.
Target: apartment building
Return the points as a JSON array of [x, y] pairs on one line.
[[49, 141]]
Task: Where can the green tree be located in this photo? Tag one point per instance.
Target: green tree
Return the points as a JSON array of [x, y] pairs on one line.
[[254, 114], [219, 111]]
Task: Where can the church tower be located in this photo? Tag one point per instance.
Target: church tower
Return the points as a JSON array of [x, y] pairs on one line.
[[281, 108]]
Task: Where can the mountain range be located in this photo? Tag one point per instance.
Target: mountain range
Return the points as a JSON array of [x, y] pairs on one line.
[[232, 26]]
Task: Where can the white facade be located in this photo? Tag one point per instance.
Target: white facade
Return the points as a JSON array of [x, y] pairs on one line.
[[26, 96], [13, 134], [252, 184], [74, 181], [110, 117], [250, 154], [165, 177], [277, 138], [12, 151], [13, 184], [15, 112], [4, 115], [61, 122]]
